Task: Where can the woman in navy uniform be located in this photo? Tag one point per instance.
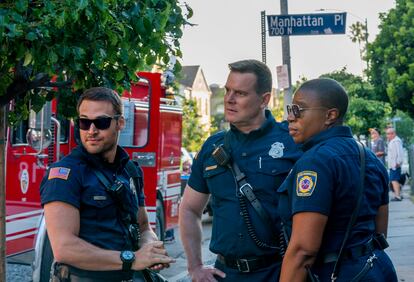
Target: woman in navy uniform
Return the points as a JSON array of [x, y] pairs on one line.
[[318, 197]]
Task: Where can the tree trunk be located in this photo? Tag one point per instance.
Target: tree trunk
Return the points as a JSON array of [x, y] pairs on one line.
[[2, 194]]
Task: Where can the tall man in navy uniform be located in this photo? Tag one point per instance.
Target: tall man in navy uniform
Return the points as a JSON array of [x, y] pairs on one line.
[[92, 230], [264, 152]]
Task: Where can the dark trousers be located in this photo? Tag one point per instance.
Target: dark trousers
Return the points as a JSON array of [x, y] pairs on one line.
[[267, 274], [137, 278], [381, 271], [64, 273]]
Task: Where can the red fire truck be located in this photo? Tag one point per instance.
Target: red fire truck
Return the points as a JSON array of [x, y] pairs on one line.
[[152, 136]]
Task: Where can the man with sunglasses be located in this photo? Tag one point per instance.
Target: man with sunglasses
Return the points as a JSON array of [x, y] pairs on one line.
[[263, 150], [93, 227]]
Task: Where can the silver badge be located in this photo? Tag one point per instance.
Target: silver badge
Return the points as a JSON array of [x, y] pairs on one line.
[[277, 150]]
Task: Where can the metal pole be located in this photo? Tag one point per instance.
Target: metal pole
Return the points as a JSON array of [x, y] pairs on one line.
[[366, 44], [2, 193], [287, 97], [263, 27]]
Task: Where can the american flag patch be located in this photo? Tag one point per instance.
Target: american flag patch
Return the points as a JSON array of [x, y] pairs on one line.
[[59, 172]]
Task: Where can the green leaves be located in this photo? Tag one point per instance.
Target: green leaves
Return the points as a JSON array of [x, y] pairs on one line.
[[82, 4], [91, 42], [193, 133], [391, 57], [364, 111], [21, 5], [27, 59]]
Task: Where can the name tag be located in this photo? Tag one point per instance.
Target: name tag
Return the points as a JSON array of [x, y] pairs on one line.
[[99, 198], [211, 167]]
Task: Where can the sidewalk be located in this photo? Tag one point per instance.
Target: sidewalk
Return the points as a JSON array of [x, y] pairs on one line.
[[401, 236]]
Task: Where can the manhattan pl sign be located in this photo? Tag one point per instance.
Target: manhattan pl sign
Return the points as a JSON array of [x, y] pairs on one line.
[[306, 24]]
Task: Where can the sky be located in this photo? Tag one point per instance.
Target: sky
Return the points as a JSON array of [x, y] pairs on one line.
[[229, 30]]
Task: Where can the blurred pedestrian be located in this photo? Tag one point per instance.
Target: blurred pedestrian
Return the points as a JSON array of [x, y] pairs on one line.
[[320, 199], [395, 159], [377, 144]]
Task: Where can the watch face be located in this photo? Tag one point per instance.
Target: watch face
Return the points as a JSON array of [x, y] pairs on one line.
[[128, 255]]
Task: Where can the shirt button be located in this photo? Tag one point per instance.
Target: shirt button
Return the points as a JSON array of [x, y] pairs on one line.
[[240, 236], [244, 154]]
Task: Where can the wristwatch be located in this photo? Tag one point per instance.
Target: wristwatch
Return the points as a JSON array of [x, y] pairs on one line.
[[127, 258]]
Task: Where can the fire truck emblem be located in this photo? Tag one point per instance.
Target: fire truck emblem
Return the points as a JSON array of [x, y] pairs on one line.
[[132, 186], [276, 151], [24, 181]]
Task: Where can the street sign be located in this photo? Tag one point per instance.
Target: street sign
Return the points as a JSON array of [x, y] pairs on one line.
[[306, 24], [282, 75]]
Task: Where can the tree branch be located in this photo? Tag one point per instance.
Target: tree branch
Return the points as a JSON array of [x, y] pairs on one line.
[[21, 85]]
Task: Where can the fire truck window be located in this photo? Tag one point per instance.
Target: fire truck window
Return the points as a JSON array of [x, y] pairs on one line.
[[19, 133], [135, 132], [141, 127], [64, 129]]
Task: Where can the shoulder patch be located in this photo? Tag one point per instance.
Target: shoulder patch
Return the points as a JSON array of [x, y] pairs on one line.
[[59, 172], [306, 183]]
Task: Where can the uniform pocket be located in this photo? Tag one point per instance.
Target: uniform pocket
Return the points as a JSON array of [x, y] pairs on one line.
[[98, 205], [219, 179], [270, 174], [270, 166]]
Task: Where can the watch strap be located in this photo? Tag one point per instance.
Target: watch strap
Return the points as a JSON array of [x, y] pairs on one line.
[[127, 263]]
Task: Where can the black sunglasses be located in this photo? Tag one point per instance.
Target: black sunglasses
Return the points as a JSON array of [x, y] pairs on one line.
[[296, 109], [100, 123]]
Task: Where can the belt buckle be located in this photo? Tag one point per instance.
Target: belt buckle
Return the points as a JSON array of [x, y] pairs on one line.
[[243, 265], [242, 187]]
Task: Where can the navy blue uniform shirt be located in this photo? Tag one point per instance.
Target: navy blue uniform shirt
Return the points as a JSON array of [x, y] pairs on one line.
[[325, 181], [265, 155], [73, 181]]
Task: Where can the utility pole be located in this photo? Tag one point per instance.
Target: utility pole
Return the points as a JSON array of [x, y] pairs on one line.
[[366, 44], [287, 97], [263, 33]]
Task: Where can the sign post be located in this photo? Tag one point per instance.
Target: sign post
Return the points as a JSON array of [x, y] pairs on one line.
[[287, 92]]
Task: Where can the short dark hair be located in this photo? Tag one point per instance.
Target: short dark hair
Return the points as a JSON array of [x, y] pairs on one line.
[[259, 69], [102, 94], [330, 93], [375, 129]]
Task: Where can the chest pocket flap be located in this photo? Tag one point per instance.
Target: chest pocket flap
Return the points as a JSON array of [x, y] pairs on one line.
[[270, 166]]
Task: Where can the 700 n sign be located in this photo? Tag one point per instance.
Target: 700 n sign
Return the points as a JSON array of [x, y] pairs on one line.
[[306, 24]]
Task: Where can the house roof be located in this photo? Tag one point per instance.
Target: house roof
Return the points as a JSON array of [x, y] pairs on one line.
[[188, 75]]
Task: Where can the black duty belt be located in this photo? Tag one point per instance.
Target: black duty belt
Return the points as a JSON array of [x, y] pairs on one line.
[[249, 264], [377, 243], [107, 275]]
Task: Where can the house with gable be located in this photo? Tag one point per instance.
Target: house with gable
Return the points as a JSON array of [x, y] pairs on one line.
[[193, 85]]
